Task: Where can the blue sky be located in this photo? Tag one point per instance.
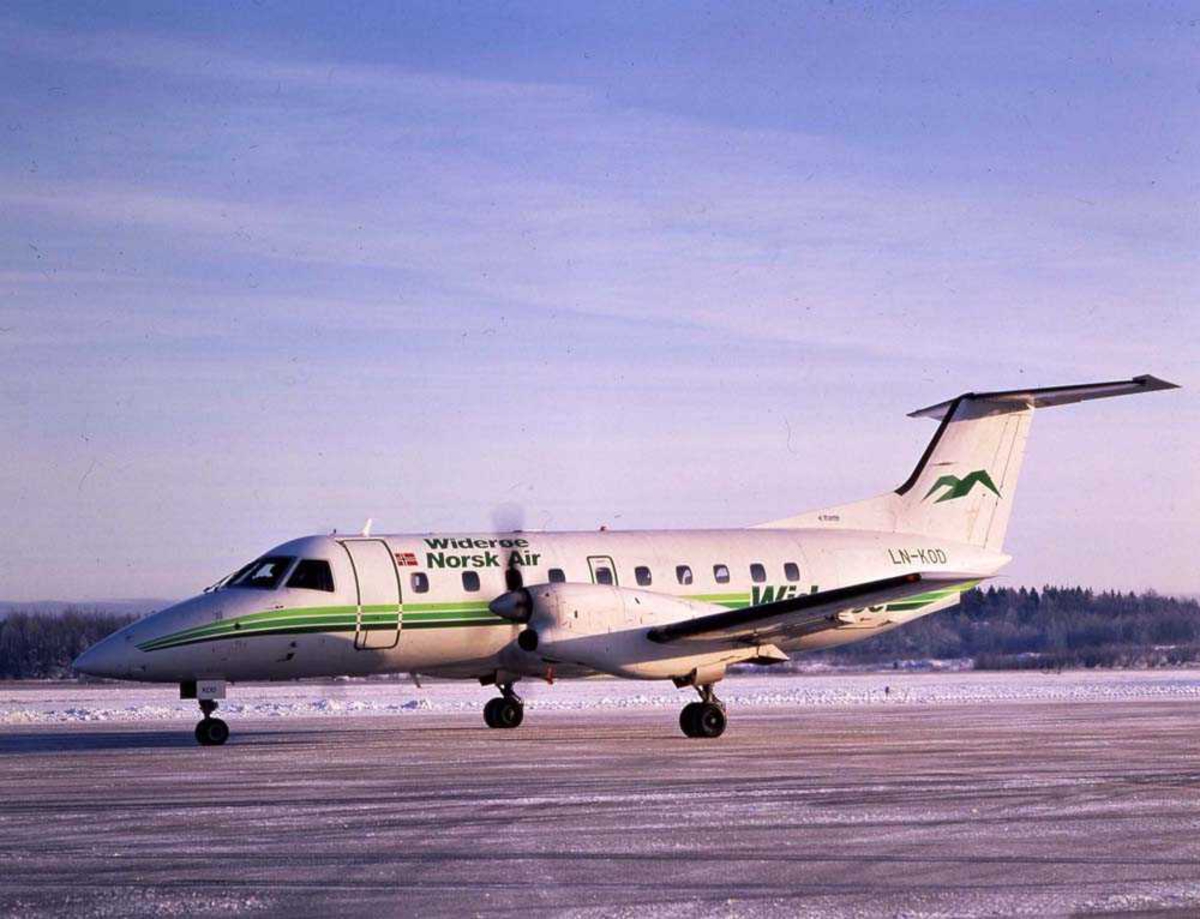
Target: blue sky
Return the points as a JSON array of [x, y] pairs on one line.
[[269, 269]]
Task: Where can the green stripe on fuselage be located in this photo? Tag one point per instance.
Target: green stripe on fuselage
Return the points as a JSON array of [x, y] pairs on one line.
[[333, 615], [455, 624], [312, 624], [410, 616], [332, 619], [464, 607], [379, 617], [933, 596]]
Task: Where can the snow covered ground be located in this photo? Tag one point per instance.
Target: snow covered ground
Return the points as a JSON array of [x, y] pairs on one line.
[[59, 703], [888, 794]]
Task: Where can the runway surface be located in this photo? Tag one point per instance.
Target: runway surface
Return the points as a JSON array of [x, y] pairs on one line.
[[959, 809]]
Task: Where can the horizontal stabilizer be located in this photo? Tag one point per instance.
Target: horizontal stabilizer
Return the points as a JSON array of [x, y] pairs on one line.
[[1015, 400]]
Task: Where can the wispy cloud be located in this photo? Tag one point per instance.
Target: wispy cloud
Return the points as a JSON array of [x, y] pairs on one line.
[[444, 266], [163, 55]]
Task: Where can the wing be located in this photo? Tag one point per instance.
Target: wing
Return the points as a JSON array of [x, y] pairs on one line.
[[813, 612]]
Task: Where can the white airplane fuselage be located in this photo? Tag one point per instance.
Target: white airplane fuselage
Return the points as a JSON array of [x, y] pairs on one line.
[[366, 625]]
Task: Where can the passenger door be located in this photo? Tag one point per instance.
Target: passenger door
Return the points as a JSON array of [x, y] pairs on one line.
[[378, 582]]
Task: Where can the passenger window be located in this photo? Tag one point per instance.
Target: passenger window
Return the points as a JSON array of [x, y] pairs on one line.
[[683, 574], [758, 573], [470, 580], [557, 576], [791, 571], [420, 582], [603, 575], [721, 574], [312, 574], [642, 573]]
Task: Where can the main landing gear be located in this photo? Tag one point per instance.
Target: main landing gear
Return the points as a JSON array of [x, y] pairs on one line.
[[211, 732], [705, 718], [506, 712]]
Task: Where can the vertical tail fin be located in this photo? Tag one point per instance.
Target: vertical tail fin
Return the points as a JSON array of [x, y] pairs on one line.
[[963, 487]]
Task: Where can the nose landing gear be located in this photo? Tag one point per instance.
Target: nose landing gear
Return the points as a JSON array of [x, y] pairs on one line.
[[506, 712], [211, 732], [705, 718]]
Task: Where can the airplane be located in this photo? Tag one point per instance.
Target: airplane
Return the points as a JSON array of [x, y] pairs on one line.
[[650, 605]]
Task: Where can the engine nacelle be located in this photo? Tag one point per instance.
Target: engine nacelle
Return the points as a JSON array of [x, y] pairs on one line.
[[602, 628]]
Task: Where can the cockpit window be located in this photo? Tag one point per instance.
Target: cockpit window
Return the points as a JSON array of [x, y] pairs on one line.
[[263, 574], [312, 574], [230, 578]]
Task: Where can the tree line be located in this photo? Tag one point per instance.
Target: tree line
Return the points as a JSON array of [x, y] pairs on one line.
[[996, 629], [40, 646], [1056, 627]]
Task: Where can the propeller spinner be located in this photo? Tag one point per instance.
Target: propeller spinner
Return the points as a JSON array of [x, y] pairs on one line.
[[513, 605]]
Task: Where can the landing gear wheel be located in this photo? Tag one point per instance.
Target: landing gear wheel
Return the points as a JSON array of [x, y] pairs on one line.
[[489, 712], [705, 718], [509, 713], [708, 720], [505, 712], [212, 732]]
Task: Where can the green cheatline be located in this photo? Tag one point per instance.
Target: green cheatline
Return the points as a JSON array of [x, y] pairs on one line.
[[378, 617], [311, 624], [720, 598], [374, 617], [170, 642], [291, 611], [410, 616], [932, 596], [466, 606], [457, 624], [253, 621]]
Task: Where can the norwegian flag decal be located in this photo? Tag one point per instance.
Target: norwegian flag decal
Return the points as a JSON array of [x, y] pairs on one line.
[[406, 558]]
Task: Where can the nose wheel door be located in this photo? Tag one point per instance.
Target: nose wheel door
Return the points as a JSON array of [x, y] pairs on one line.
[[378, 581]]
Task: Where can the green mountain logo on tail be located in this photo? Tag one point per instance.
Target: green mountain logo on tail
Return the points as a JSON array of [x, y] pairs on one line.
[[960, 488]]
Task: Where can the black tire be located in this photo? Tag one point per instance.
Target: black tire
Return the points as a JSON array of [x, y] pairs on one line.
[[687, 719], [212, 732], [709, 720], [489, 713], [509, 714]]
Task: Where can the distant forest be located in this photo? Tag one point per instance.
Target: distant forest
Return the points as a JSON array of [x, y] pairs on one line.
[[38, 646], [995, 629], [1054, 628]]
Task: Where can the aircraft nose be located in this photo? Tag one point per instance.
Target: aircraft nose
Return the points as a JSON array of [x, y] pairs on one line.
[[108, 657]]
